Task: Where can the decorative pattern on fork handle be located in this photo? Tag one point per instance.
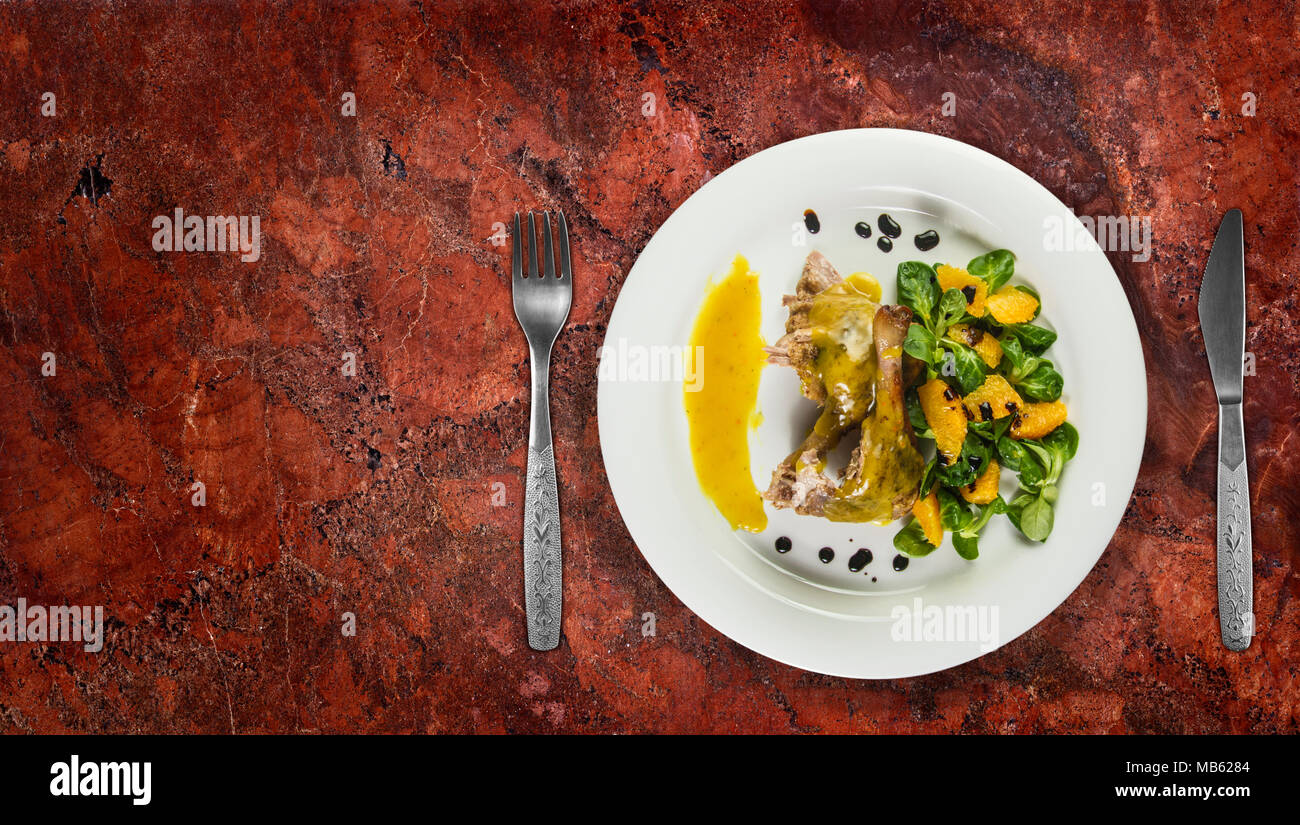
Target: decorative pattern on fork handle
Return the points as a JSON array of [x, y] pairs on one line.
[[542, 565]]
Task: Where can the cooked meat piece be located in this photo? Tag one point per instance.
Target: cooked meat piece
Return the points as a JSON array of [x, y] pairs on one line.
[[818, 275], [798, 483], [829, 343], [848, 353], [796, 348], [884, 473]]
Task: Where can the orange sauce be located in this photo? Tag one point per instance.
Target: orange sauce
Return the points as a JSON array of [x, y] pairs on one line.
[[721, 411]]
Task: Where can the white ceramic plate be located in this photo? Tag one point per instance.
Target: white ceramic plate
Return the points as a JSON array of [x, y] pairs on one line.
[[792, 607]]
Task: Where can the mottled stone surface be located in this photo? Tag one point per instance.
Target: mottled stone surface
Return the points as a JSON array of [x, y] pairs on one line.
[[373, 494]]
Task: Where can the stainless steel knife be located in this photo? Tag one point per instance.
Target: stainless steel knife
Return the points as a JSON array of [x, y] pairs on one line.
[[1222, 308]]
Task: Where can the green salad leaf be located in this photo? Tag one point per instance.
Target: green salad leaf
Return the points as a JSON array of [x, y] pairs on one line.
[[963, 365], [1043, 384], [911, 540], [952, 308], [928, 478], [966, 524], [916, 416], [920, 344], [1034, 339], [990, 431], [995, 267], [1035, 519], [1039, 464], [918, 289]]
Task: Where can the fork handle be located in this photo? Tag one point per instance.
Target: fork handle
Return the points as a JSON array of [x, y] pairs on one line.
[[1236, 586], [543, 592]]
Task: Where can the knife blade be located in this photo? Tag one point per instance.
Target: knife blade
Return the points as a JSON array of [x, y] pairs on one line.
[[1222, 311]]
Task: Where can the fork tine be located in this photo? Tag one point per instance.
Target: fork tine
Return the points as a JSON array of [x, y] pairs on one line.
[[563, 231], [532, 247], [548, 250], [516, 253]]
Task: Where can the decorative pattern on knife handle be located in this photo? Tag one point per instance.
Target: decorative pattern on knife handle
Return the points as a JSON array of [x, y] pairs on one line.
[[542, 567], [1235, 563]]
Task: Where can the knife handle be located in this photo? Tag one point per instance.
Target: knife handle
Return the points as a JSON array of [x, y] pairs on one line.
[[1235, 562], [543, 586]]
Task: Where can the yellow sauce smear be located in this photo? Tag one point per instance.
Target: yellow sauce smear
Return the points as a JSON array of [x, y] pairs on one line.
[[865, 283], [721, 411]]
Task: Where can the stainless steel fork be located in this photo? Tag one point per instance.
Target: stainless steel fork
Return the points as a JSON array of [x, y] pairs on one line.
[[542, 302]]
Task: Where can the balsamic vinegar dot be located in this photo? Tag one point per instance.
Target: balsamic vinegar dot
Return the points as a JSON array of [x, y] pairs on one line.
[[826, 554], [927, 240], [859, 560], [863, 229], [900, 563], [783, 545], [885, 244], [811, 221], [889, 226]]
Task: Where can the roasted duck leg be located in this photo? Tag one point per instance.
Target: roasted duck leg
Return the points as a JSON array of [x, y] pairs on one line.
[[884, 473], [847, 350], [828, 342]]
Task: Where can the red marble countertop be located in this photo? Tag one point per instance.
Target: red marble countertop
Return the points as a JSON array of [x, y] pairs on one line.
[[373, 495]]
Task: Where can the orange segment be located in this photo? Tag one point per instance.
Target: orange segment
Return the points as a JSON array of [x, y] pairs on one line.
[[926, 511], [1000, 396], [942, 408], [986, 346], [985, 488], [1010, 305], [1037, 420], [975, 289]]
